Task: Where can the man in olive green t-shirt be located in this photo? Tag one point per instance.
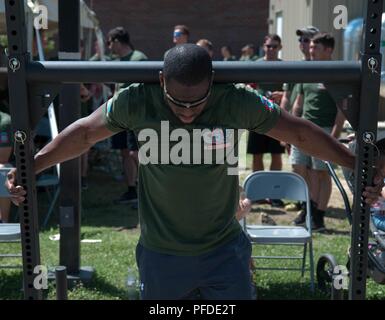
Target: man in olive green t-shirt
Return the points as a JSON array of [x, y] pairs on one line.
[[191, 244], [120, 45], [315, 104]]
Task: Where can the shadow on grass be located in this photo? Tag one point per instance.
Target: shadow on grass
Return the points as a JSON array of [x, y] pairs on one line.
[[336, 213], [269, 210], [288, 291], [11, 284], [98, 208], [101, 286], [331, 231]]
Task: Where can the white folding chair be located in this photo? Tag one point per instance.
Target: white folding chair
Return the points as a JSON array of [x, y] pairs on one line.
[[280, 185]]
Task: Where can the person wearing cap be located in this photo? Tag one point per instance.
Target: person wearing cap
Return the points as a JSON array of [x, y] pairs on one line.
[[316, 104], [120, 45], [305, 35], [248, 53], [290, 94], [191, 244]]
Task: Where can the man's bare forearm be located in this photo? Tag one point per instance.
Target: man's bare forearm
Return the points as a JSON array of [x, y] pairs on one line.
[[69, 144], [74, 140], [311, 139], [324, 146]]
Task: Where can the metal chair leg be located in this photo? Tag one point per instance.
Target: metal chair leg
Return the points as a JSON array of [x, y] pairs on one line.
[[304, 260]]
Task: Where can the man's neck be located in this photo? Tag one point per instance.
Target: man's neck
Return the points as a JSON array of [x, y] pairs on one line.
[[124, 52]]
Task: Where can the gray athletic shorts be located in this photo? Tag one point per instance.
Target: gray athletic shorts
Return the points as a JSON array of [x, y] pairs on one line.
[[298, 157]]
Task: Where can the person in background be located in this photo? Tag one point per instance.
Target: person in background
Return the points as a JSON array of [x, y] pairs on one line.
[[227, 54], [207, 44], [181, 34], [290, 94], [248, 53], [121, 46], [314, 103], [259, 144]]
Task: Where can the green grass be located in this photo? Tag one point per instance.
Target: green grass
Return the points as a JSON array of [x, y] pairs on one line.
[[112, 257]]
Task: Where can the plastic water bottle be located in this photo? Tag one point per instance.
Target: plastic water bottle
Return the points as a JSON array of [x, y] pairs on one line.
[[132, 285]]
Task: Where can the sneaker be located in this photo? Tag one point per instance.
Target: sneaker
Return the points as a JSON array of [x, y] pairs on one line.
[[318, 224], [301, 218], [277, 203], [127, 197]]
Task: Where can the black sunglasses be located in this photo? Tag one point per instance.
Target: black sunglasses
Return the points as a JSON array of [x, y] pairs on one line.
[[271, 46], [305, 40], [190, 104]]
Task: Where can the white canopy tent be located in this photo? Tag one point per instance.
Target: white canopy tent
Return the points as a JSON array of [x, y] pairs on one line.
[[89, 23]]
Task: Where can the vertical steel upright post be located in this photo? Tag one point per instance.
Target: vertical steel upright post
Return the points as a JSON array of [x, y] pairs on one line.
[[366, 153], [69, 42], [23, 147]]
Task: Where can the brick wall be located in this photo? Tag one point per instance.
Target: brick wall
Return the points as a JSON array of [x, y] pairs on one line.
[[150, 22]]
